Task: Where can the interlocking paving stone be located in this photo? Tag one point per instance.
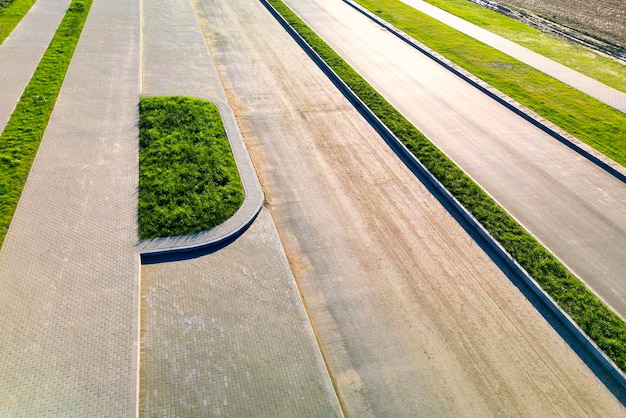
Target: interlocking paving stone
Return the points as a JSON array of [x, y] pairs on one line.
[[226, 334], [22, 50], [175, 56], [68, 268], [176, 61]]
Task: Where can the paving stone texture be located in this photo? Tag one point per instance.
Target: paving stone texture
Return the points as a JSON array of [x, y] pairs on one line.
[[175, 56], [226, 335], [68, 269], [23, 48]]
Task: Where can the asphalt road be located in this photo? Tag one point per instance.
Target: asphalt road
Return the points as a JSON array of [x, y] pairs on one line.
[[575, 208], [412, 318]]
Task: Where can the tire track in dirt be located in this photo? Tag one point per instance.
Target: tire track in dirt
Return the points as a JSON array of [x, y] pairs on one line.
[[411, 316]]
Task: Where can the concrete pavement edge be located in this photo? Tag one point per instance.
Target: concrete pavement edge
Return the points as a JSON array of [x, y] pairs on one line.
[[188, 246], [594, 357]]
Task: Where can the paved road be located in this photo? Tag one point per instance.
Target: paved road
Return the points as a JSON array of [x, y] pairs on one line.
[[576, 209], [225, 334], [594, 88], [413, 319], [174, 54], [23, 48], [68, 269]]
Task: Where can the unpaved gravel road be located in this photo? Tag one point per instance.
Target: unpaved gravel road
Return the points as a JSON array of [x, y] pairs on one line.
[[576, 209], [413, 319]]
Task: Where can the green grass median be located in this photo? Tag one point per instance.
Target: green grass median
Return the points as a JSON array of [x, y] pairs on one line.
[[11, 12], [593, 122], [23, 133], [595, 318], [188, 178]]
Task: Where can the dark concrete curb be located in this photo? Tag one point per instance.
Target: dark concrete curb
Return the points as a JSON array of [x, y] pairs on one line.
[[188, 246], [595, 358], [548, 127]]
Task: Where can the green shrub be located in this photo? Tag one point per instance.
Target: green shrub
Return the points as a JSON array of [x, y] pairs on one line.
[[21, 137]]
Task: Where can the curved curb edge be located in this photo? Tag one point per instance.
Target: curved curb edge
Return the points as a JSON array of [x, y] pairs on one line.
[[502, 258], [184, 246]]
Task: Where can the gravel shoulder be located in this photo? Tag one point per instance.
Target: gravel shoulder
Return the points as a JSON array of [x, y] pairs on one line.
[[411, 316]]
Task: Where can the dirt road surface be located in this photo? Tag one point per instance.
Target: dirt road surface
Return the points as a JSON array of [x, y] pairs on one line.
[[575, 208], [413, 319]]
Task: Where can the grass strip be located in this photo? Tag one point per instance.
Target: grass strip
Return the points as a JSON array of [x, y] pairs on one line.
[[595, 318], [593, 122], [11, 12], [21, 137], [188, 178], [595, 65]]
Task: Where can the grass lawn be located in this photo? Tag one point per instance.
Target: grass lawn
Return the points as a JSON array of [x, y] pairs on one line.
[[591, 121], [188, 179], [595, 318], [10, 15], [595, 65], [21, 137]]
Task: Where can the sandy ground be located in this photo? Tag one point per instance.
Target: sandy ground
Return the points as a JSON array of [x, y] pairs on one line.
[[575, 208], [413, 319]]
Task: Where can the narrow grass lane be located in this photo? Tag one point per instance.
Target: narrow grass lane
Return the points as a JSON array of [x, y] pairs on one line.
[[593, 64], [23, 133], [591, 121], [11, 12], [595, 318]]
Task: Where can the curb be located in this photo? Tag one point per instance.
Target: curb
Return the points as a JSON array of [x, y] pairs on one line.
[[188, 246], [603, 365], [546, 126]]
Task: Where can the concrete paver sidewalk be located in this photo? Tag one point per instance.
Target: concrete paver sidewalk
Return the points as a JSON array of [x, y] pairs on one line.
[[22, 50], [226, 333], [176, 61], [68, 268], [588, 85]]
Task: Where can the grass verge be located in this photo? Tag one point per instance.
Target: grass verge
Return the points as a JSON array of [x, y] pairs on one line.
[[606, 70], [10, 15], [595, 318], [188, 179], [593, 122], [21, 137]]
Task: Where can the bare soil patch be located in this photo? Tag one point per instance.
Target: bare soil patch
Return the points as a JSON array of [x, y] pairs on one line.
[[598, 24]]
